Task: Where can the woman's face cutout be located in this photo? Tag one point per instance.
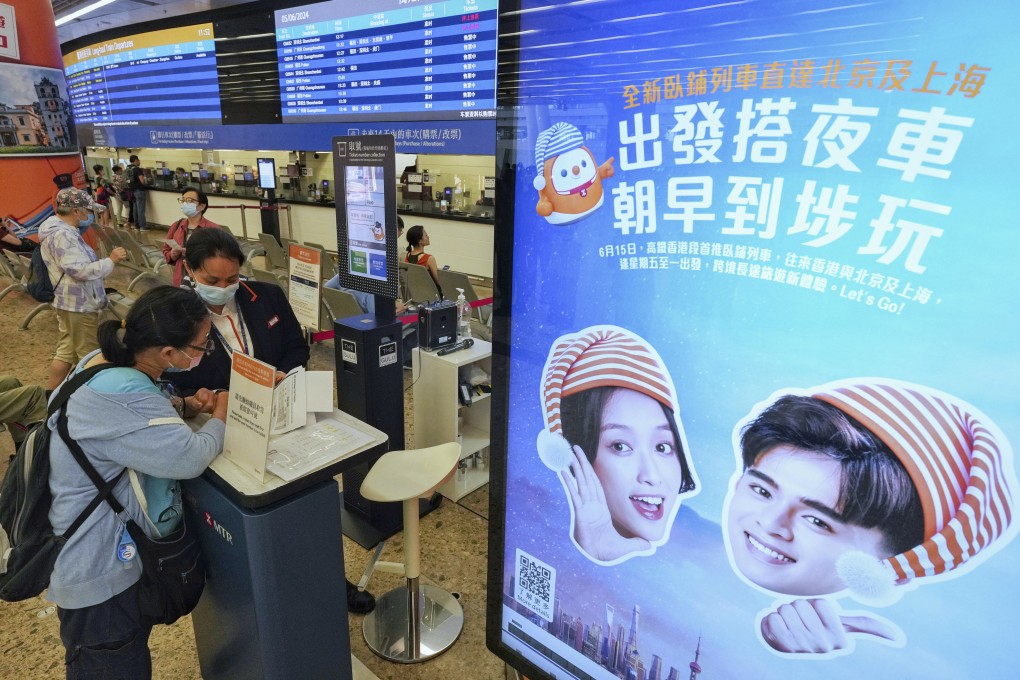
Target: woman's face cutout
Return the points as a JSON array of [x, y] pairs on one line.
[[637, 462]]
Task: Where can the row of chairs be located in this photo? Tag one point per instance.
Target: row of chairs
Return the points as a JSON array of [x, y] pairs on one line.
[[16, 267]]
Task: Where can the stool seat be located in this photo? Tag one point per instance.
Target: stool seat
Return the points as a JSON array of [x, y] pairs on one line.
[[402, 475], [416, 622]]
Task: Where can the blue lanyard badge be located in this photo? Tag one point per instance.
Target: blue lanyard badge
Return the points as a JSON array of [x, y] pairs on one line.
[[126, 548]]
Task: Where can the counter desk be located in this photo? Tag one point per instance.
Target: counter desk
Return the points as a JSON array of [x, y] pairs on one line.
[[460, 241], [275, 601]]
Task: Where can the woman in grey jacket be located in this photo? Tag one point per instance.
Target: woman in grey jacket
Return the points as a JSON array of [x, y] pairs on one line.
[[121, 419]]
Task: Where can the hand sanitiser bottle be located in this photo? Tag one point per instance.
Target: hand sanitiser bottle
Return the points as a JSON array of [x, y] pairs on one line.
[[463, 316]]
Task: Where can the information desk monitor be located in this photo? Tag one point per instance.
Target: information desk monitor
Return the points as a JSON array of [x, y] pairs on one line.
[[267, 173], [366, 213]]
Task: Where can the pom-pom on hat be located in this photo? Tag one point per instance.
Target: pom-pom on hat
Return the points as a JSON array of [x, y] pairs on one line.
[[551, 142], [959, 464], [600, 356]]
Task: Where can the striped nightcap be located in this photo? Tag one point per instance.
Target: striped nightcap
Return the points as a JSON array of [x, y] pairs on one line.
[[603, 356], [551, 142], [955, 460]]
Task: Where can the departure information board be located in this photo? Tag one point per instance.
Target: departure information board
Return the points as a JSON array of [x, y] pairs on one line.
[[166, 76], [394, 60]]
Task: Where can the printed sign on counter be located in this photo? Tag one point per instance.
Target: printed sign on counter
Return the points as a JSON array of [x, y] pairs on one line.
[[249, 416], [305, 277]]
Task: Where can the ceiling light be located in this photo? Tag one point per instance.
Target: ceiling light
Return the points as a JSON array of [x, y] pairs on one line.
[[81, 12]]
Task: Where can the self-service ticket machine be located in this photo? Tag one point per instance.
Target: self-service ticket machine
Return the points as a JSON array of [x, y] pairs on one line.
[[275, 601]]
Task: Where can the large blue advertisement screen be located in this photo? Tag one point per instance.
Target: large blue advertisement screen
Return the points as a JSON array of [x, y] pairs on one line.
[[762, 358]]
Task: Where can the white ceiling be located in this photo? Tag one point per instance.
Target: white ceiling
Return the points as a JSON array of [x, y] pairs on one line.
[[127, 12]]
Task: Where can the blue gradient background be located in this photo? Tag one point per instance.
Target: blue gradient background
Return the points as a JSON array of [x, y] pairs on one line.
[[731, 342]]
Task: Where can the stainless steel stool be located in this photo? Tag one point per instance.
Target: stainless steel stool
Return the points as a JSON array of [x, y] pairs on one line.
[[416, 622]]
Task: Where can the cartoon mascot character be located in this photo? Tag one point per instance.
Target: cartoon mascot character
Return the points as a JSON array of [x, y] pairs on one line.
[[570, 184]]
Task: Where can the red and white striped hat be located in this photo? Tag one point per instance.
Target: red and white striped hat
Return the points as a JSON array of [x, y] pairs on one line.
[[599, 356], [959, 462]]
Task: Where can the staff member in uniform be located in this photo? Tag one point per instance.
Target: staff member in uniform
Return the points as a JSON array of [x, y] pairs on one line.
[[248, 316]]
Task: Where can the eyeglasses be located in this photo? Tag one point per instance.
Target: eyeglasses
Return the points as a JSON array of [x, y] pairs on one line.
[[209, 348], [193, 201]]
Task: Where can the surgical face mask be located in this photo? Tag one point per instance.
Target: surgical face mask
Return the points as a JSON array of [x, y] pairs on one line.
[[189, 209], [214, 295], [87, 222], [194, 362]]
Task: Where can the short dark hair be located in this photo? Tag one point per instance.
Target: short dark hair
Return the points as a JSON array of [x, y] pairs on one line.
[[162, 316], [97, 168], [581, 417], [875, 489], [202, 198], [117, 168], [206, 243], [133, 158]]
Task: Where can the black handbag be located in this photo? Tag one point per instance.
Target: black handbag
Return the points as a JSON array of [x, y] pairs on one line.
[[173, 571]]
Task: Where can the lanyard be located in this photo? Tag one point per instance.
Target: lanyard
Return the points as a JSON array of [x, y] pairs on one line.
[[242, 337]]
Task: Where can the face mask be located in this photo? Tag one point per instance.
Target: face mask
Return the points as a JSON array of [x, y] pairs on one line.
[[88, 222], [189, 209], [213, 295], [194, 361]]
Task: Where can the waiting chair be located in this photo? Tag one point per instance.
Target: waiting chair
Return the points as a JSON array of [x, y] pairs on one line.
[[275, 253], [18, 269], [137, 261], [451, 281], [402, 279], [251, 250], [269, 277], [338, 304], [415, 622], [420, 286]]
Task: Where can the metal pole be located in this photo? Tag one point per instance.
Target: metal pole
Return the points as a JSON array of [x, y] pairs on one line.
[[244, 224]]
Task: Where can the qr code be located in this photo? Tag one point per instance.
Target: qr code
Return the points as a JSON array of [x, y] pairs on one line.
[[535, 585]]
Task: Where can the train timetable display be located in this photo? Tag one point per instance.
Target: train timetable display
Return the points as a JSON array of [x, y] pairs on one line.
[[395, 60], [166, 76]]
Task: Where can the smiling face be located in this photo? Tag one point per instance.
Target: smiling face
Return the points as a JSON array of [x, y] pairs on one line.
[[638, 465], [572, 170], [573, 185], [783, 526]]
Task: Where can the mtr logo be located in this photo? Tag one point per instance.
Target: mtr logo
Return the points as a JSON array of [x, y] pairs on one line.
[[219, 528]]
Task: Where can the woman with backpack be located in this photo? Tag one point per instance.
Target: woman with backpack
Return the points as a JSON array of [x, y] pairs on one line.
[[194, 203], [94, 580], [76, 274]]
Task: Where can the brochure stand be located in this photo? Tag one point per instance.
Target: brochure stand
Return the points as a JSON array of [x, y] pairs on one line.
[[275, 602]]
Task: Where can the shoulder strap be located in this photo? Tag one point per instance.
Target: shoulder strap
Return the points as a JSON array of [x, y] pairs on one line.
[[71, 385], [104, 487]]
